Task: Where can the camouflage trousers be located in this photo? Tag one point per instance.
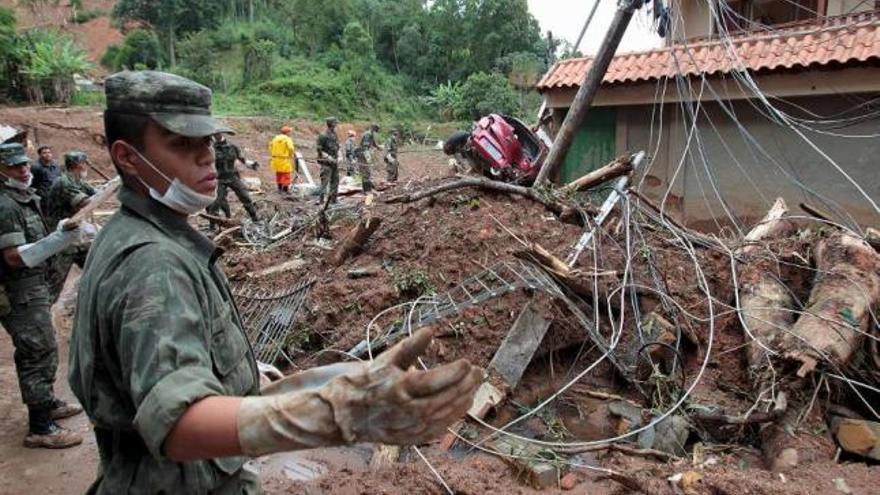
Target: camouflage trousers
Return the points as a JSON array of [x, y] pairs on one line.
[[329, 179], [62, 263], [350, 166], [364, 169], [392, 168], [36, 353], [240, 190]]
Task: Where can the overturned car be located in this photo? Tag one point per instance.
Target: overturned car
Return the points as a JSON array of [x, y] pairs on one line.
[[502, 148]]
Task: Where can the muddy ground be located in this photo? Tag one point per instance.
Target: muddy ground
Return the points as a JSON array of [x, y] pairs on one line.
[[427, 248]]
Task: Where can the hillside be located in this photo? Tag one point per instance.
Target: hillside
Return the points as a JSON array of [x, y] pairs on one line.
[[94, 35]]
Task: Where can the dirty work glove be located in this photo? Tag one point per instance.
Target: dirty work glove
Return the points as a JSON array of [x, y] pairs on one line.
[[376, 402], [87, 234], [310, 379], [268, 374], [65, 235]]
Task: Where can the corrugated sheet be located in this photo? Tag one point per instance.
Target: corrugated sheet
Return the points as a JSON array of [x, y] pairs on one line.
[[839, 40]]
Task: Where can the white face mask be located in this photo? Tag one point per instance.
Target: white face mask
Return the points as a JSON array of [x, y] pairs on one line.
[[179, 197], [20, 185]]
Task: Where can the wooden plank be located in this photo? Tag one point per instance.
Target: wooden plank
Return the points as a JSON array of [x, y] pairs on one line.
[[519, 346], [510, 361], [102, 196]]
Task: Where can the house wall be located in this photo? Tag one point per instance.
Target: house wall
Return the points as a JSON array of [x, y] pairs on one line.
[[734, 176], [695, 20], [843, 7]]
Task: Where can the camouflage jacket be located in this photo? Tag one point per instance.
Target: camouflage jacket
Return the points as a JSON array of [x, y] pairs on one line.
[[226, 155], [350, 148], [21, 222], [391, 147], [66, 196], [328, 144], [44, 176], [156, 330], [368, 140]]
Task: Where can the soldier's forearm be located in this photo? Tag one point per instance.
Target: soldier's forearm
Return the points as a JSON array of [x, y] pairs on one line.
[[208, 429]]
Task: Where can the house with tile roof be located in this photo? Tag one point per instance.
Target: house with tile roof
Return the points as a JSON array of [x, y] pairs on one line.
[[748, 100]]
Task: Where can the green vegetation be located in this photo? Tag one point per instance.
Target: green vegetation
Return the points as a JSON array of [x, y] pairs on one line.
[[390, 60], [39, 64]]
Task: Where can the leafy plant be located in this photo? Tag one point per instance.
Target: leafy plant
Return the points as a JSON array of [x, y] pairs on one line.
[[46, 62], [413, 284]]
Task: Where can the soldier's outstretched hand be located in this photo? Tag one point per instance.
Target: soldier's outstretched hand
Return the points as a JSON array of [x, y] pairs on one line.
[[388, 402]]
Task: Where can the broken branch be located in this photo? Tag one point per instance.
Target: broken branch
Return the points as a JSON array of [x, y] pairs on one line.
[[620, 166], [355, 241], [481, 183]]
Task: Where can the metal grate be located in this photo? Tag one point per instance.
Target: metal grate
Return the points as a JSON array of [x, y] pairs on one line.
[[268, 317]]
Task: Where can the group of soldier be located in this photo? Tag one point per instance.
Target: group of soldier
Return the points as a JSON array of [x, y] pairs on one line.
[[38, 250], [159, 358], [357, 155]]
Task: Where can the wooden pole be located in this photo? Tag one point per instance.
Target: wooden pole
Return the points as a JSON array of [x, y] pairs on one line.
[[587, 91]]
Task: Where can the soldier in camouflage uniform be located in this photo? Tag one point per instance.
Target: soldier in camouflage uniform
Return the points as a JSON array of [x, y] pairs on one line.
[[350, 148], [27, 248], [69, 193], [159, 356], [225, 156], [392, 166], [328, 158], [364, 155]]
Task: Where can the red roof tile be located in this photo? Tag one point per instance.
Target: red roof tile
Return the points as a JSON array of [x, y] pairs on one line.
[[845, 39]]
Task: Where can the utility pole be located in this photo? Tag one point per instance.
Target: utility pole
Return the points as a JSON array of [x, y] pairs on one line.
[[577, 43], [588, 89]]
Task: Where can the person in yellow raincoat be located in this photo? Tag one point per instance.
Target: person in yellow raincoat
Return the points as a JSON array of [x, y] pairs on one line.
[[281, 150]]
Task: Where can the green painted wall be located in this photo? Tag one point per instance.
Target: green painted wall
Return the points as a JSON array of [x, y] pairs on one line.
[[594, 144]]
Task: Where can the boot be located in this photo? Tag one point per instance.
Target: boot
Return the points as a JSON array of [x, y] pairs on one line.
[[45, 433], [320, 200], [55, 437], [61, 409]]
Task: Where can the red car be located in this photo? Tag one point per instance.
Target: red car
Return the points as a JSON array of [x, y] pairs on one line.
[[500, 147]]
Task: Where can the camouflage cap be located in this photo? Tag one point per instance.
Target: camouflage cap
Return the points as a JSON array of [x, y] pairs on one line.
[[12, 154], [176, 103], [74, 157]]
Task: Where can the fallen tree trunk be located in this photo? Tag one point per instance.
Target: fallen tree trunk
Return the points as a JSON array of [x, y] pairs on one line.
[[847, 286], [766, 311], [620, 166], [481, 183], [765, 303], [354, 241]]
